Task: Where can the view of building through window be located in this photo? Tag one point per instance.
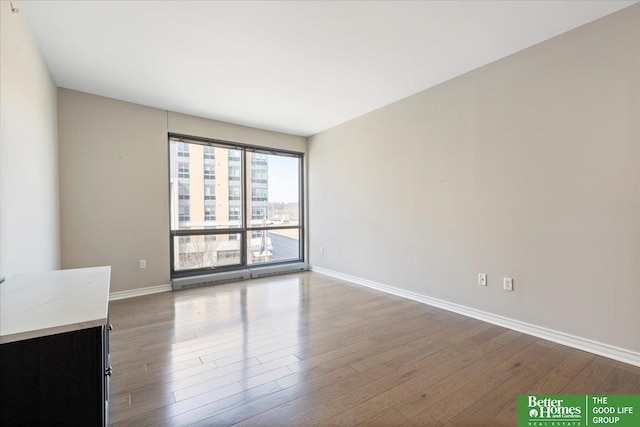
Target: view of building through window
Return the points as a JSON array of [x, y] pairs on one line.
[[232, 206]]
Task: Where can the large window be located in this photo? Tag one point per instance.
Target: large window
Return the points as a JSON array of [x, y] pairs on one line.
[[250, 215]]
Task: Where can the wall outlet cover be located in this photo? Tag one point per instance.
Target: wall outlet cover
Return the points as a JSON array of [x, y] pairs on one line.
[[482, 279]]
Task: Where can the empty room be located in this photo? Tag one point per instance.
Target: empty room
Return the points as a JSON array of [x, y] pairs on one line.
[[296, 213]]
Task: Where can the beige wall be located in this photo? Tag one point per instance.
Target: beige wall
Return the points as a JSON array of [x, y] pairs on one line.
[[197, 126], [29, 235], [114, 182], [526, 168]]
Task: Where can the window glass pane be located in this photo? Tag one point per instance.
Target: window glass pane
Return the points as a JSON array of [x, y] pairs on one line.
[[274, 183], [183, 149], [209, 192], [203, 194], [209, 153], [273, 245], [234, 155], [258, 159], [183, 170], [209, 171], [206, 251], [183, 213], [183, 191], [209, 213], [234, 173], [235, 193], [259, 213], [234, 213], [259, 194]]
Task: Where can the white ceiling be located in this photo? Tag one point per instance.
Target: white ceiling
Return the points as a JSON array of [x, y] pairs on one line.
[[295, 67]]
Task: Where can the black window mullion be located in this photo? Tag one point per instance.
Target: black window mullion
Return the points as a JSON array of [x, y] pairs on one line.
[[243, 188], [301, 206]]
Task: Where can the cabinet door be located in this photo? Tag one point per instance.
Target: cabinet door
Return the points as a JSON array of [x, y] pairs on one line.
[[53, 380]]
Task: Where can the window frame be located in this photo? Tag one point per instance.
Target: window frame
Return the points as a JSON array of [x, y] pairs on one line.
[[245, 229]]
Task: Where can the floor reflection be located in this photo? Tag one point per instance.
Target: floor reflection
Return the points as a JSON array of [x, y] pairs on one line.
[[214, 348], [245, 333]]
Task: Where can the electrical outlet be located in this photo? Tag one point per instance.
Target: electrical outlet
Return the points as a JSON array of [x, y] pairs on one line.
[[482, 279], [143, 263], [508, 284], [321, 249]]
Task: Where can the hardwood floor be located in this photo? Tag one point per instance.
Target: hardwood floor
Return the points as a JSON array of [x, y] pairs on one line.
[[307, 349]]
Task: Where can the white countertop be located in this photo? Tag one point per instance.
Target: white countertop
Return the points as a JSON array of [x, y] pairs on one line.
[[40, 304]]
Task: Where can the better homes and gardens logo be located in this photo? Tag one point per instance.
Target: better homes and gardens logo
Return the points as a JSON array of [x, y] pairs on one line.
[[553, 410], [578, 410]]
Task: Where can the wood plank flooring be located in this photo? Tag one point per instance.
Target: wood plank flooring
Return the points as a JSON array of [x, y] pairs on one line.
[[306, 349]]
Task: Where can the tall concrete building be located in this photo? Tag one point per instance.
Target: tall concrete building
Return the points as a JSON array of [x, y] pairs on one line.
[[207, 193]]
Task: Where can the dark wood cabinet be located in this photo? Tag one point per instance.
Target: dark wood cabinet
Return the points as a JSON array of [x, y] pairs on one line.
[[54, 348], [60, 379]]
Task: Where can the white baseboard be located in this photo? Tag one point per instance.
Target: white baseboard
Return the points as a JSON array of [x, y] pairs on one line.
[[606, 350], [138, 292]]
